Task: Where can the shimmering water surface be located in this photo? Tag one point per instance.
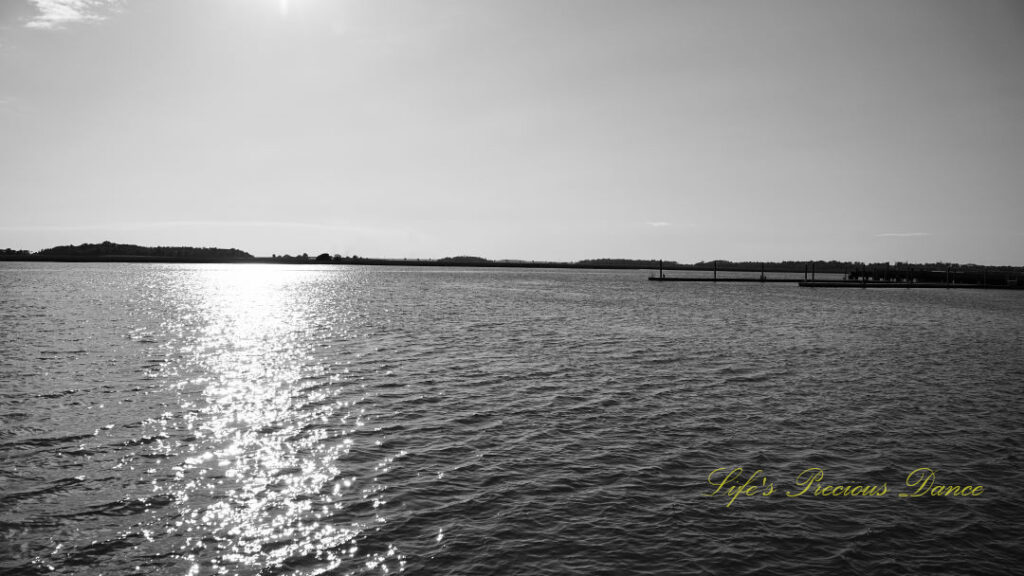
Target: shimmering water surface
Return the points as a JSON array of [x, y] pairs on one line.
[[247, 419]]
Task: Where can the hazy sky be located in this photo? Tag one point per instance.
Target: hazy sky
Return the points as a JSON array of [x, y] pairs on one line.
[[559, 130]]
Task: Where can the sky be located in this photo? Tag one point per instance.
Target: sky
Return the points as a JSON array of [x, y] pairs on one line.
[[867, 130]]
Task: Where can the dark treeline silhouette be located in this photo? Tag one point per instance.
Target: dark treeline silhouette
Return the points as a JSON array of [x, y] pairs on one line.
[[937, 273], [823, 266], [112, 252], [475, 261], [628, 263], [931, 272], [8, 254], [464, 261], [852, 270]]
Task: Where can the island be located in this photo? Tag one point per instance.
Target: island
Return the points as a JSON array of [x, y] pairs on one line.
[[853, 273]]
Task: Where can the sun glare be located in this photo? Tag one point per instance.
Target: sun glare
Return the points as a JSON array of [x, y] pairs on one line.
[[262, 453], [283, 4]]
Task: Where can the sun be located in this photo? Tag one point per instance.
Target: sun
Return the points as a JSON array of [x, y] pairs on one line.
[[283, 6]]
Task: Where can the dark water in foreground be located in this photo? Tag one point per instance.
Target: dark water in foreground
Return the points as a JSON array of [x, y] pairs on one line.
[[300, 420]]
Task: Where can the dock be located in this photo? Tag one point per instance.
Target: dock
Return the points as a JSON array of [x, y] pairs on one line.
[[714, 277], [756, 280], [840, 283], [915, 285], [864, 278]]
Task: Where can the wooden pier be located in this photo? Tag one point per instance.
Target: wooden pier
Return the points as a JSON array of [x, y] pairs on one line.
[[714, 277], [866, 280], [914, 285], [754, 280], [840, 283]]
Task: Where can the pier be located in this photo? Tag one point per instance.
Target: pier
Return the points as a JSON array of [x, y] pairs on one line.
[[754, 280], [840, 283], [863, 278], [878, 284], [762, 278]]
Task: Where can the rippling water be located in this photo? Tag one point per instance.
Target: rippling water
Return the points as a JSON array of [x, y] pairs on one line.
[[255, 419]]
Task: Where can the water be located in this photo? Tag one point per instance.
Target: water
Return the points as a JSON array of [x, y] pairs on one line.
[[253, 419]]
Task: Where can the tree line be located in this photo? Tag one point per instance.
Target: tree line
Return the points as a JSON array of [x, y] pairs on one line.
[[110, 251]]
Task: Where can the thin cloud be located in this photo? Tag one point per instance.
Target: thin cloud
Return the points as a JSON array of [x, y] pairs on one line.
[[659, 224], [55, 14], [902, 234]]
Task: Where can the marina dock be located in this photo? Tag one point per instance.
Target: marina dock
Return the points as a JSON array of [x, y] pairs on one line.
[[863, 278], [680, 279], [877, 284], [840, 283]]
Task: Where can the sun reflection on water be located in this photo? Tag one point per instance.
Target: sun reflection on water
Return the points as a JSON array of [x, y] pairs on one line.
[[267, 479]]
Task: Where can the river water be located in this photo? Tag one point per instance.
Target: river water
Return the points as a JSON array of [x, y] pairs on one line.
[[273, 419]]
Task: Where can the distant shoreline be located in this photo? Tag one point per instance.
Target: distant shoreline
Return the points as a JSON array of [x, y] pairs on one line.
[[450, 263], [106, 252], [960, 273]]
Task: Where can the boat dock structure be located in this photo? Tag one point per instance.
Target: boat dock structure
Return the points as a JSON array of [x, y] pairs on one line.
[[860, 279], [905, 285]]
